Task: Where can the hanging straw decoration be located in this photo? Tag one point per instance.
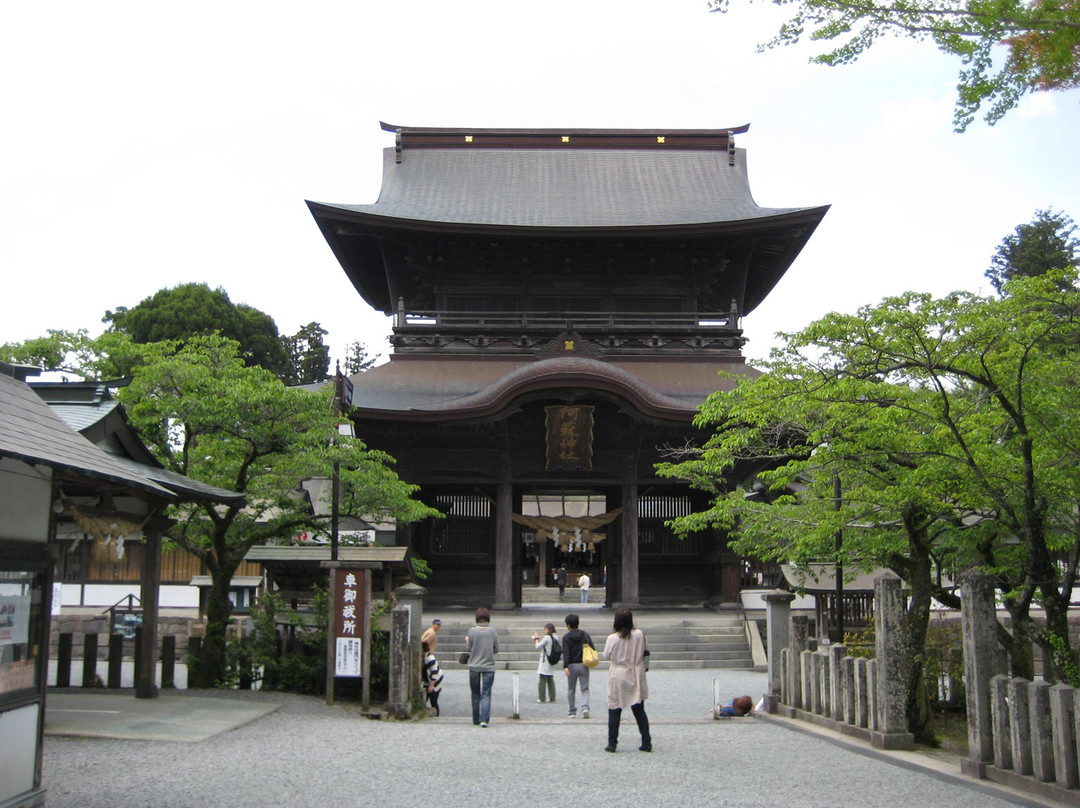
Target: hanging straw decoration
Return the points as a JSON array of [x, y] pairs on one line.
[[106, 529]]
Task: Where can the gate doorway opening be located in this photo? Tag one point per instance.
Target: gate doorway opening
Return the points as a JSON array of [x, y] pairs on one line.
[[568, 528]]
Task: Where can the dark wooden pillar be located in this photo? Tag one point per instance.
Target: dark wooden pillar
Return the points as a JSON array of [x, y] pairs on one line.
[[146, 683], [629, 541], [504, 547]]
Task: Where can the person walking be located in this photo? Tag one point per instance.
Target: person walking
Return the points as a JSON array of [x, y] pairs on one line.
[[545, 670], [576, 672], [560, 579], [432, 676], [431, 636], [626, 685], [482, 643], [583, 582]]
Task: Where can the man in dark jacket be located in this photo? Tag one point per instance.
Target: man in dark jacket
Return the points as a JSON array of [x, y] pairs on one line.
[[576, 672]]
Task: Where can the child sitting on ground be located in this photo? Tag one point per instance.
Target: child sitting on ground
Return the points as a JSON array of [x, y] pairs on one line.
[[741, 706]]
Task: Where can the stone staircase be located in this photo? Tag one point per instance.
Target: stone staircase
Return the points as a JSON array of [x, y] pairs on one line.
[[678, 639]]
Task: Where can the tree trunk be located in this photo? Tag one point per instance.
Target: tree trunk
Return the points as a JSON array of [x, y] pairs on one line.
[[213, 660], [916, 622]]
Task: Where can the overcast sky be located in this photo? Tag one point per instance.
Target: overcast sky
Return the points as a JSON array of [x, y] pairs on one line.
[[145, 144]]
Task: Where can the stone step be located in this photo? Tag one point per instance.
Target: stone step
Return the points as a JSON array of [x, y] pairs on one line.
[[677, 639], [540, 594]]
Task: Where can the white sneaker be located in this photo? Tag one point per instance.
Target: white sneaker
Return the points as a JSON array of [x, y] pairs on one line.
[[585, 713], [483, 723]]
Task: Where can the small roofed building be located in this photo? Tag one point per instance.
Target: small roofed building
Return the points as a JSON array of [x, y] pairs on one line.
[[42, 463], [563, 302], [92, 575]]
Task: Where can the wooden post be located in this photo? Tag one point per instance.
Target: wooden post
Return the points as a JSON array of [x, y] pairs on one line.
[[146, 641], [168, 661], [116, 660], [629, 536], [504, 547], [192, 661], [89, 665], [63, 661]]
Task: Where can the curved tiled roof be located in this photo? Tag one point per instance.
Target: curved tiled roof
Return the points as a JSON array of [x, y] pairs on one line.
[[583, 188], [453, 389]]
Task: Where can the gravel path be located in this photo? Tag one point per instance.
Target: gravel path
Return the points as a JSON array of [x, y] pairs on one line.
[[307, 754]]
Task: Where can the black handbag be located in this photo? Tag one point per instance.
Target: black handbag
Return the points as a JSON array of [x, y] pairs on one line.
[[464, 658]]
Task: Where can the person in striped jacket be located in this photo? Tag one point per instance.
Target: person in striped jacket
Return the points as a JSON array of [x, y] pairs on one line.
[[432, 676]]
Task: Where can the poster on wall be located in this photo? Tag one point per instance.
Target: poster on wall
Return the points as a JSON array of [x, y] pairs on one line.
[[14, 619]]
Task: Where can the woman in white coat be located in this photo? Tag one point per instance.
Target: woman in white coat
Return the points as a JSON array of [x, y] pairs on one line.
[[626, 685]]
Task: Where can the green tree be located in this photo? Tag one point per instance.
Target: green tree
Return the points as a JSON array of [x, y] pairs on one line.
[[1006, 390], [1046, 243], [210, 417], [805, 432], [108, 356], [357, 358], [1039, 41], [976, 447], [194, 309], [309, 357]]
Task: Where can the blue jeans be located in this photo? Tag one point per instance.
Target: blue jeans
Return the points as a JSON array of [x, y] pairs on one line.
[[584, 595], [480, 684]]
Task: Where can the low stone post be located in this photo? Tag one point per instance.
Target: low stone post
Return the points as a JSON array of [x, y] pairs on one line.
[[999, 714], [813, 700], [982, 661], [785, 677], [892, 663], [1063, 728], [847, 689], [806, 665], [1042, 742], [399, 703], [837, 653], [777, 627], [872, 711], [1020, 725], [798, 641], [862, 711], [411, 597], [871, 695], [824, 683]]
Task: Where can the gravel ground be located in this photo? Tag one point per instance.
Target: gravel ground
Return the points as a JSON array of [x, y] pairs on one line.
[[307, 754]]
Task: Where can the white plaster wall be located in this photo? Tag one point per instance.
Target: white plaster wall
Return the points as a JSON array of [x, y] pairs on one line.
[[105, 595], [25, 501], [18, 751]]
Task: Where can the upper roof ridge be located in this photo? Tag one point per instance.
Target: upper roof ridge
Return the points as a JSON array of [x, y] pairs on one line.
[[427, 137]]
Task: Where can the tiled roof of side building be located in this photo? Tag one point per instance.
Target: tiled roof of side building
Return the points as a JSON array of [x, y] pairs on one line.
[[30, 431]]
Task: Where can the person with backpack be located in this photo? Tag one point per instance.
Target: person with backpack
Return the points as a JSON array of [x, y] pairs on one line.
[[577, 673], [550, 655]]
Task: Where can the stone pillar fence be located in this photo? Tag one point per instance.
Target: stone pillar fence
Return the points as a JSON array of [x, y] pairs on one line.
[[1020, 733], [827, 686]]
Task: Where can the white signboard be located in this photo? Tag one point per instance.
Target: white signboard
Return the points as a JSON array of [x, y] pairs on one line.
[[347, 659], [14, 619]]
